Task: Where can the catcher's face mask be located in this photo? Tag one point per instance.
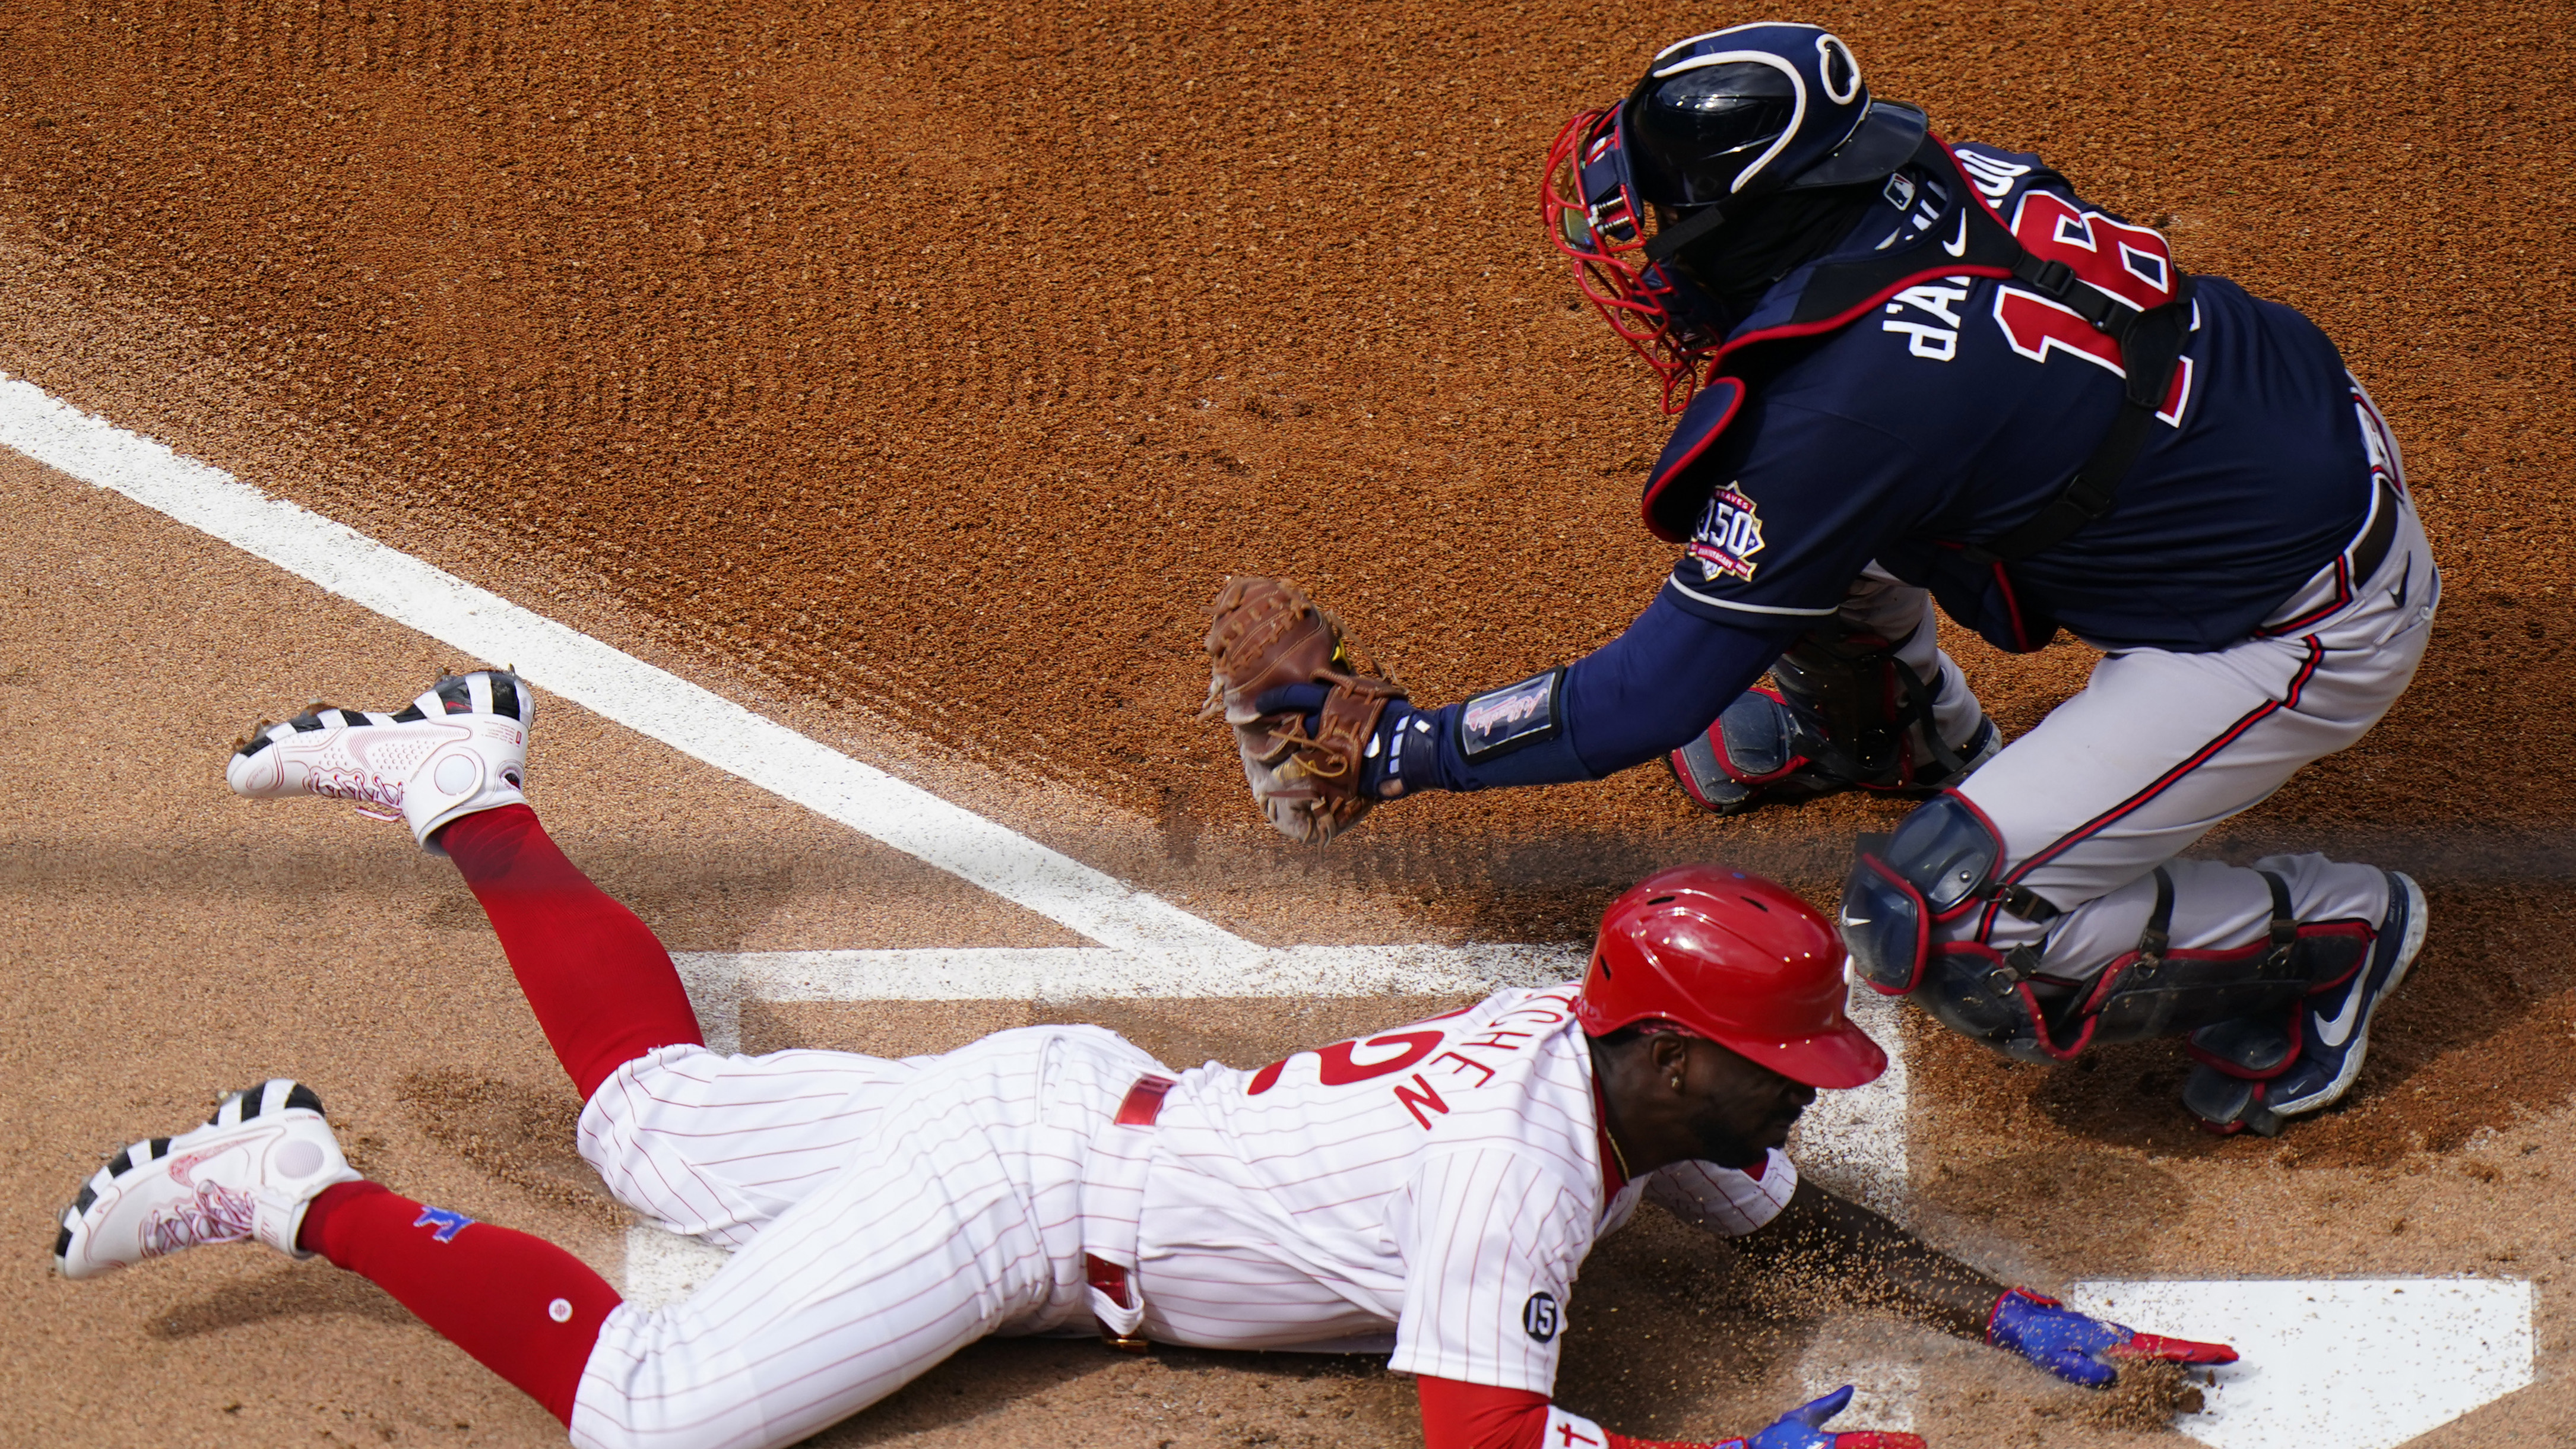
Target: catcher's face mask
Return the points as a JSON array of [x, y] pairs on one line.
[[1717, 120], [1594, 217]]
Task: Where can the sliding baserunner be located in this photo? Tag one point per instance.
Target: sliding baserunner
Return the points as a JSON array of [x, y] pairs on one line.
[[1429, 1191]]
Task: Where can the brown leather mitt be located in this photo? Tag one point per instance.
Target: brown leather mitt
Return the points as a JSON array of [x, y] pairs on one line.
[[1267, 633]]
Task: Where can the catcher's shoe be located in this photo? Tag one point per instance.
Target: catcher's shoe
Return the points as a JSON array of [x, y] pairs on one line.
[[2255, 1076], [460, 748], [246, 1175]]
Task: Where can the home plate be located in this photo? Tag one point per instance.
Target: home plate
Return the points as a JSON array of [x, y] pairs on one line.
[[662, 1267], [2359, 1363]]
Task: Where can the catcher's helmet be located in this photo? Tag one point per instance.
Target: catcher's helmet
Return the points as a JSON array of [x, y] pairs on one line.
[[1733, 958], [1758, 108], [1717, 121]]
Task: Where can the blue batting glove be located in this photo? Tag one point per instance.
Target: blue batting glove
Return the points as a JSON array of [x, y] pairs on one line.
[[2080, 1348], [1803, 1428]]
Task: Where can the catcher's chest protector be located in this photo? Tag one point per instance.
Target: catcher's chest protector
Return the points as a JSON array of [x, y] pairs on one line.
[[2142, 305]]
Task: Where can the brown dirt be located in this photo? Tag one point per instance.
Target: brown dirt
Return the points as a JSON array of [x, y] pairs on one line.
[[520, 1134], [945, 358], [2144, 1400], [932, 363]]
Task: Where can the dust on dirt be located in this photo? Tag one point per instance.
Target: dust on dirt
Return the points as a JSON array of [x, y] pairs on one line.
[[520, 1134], [942, 362], [948, 359], [2144, 1399]]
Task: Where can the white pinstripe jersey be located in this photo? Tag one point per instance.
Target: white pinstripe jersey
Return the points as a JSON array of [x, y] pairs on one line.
[[1442, 1179]]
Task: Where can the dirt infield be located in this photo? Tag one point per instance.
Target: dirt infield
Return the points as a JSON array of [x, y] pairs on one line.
[[929, 364]]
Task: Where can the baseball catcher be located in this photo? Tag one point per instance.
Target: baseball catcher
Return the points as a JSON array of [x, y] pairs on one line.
[[1428, 1191], [1909, 373]]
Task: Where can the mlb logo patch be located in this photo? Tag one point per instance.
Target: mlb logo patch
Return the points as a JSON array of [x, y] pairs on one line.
[[443, 1225], [1729, 535]]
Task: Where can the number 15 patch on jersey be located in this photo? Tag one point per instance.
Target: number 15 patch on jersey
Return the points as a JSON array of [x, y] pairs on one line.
[[1539, 1316], [1729, 535]]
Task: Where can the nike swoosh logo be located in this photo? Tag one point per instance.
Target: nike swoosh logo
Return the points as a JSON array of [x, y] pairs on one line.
[[2405, 581], [1957, 246], [2333, 1032]]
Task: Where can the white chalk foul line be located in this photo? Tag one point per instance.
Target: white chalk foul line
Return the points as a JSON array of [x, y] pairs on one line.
[[608, 681]]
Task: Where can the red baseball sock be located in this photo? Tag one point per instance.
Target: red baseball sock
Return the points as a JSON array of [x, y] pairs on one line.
[[524, 1308], [602, 987]]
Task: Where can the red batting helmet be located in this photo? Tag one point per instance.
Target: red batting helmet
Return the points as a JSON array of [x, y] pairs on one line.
[[1736, 959]]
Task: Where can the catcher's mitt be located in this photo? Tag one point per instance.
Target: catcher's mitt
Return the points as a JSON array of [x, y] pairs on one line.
[[1267, 634]]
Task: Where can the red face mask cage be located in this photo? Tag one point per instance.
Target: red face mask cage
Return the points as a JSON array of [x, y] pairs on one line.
[[1593, 218]]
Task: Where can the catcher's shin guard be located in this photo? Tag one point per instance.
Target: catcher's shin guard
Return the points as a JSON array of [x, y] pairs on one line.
[[1848, 715], [1939, 867], [2006, 1000]]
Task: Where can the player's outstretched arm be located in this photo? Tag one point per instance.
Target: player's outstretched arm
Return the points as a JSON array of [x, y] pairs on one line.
[[1820, 1231], [1637, 698]]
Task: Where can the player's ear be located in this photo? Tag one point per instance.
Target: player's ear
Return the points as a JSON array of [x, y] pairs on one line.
[[1670, 1052]]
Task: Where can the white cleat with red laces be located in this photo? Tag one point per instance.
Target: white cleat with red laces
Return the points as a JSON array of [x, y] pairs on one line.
[[246, 1176], [459, 748]]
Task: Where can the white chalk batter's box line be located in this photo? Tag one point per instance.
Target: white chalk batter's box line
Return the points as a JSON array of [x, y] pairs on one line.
[[2334, 1362]]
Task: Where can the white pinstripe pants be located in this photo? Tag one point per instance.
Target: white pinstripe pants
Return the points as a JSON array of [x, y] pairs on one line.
[[885, 1215]]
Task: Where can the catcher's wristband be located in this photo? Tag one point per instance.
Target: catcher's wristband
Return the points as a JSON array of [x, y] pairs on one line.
[[1516, 735]]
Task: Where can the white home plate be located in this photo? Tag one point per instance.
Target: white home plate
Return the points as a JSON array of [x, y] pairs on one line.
[[663, 1267], [2358, 1363], [1884, 1391]]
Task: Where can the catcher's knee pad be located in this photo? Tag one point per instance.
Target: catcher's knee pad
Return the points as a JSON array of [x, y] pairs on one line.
[[1848, 715], [1938, 866], [1761, 751]]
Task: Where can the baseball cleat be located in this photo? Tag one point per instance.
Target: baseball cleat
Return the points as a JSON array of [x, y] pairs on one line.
[[2239, 1086], [459, 748], [245, 1176]]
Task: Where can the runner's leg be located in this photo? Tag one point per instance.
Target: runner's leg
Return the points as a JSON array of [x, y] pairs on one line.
[[964, 1216], [705, 1144], [602, 987], [520, 1306]]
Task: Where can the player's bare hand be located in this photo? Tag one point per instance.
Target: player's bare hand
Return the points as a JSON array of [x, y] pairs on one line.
[[1803, 1428], [2080, 1348]]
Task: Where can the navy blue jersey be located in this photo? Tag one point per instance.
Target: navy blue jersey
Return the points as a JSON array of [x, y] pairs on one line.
[[1963, 405]]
